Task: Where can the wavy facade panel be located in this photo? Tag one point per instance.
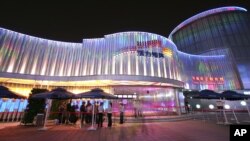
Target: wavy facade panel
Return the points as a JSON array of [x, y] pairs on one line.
[[128, 53], [134, 57], [25, 54]]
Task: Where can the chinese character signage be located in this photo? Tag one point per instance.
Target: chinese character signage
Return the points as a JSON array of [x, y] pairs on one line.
[[207, 80]]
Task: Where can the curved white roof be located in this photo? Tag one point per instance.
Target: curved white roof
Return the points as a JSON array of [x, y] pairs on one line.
[[204, 14]]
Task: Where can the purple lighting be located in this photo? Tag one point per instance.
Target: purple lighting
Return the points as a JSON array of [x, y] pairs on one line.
[[204, 14]]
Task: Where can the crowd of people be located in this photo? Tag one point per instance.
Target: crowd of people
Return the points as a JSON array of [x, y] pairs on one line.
[[137, 109], [88, 113], [98, 113], [94, 112]]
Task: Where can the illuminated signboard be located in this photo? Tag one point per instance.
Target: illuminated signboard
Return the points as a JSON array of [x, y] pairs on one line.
[[164, 51], [167, 52], [207, 80], [142, 45], [151, 43], [149, 54]]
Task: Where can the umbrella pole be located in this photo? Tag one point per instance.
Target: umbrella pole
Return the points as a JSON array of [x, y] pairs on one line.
[[46, 116], [80, 119], [92, 124], [17, 109]]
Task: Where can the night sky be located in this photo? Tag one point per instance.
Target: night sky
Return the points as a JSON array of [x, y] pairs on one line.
[[72, 22]]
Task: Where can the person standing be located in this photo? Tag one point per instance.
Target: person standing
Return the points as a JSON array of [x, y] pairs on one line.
[[96, 113], [109, 113], [139, 108], [89, 112], [121, 108], [135, 104], [60, 114], [100, 115], [83, 112]]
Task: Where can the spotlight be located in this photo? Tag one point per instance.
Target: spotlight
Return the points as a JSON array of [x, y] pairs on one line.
[[243, 103], [227, 106], [198, 106], [211, 106]]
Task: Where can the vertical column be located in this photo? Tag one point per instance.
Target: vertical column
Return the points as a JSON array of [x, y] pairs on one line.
[[136, 64], [99, 57], [158, 64], [169, 68], [93, 56], [177, 101], [129, 63], [75, 70], [121, 63], [152, 64], [113, 64], [164, 67], [106, 55], [83, 54]]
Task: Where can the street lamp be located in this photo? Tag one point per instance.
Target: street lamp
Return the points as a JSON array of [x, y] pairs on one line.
[[198, 106], [243, 103], [227, 106], [211, 106]]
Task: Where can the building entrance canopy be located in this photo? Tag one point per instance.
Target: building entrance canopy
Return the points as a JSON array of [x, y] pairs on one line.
[[98, 80]]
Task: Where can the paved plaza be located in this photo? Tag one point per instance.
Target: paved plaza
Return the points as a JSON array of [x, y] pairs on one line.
[[187, 130]]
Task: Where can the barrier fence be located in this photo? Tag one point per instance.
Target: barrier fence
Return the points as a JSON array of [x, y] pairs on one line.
[[11, 116], [223, 116]]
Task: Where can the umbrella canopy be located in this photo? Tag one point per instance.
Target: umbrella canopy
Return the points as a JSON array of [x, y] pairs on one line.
[[6, 93], [189, 94], [96, 93], [208, 94], [232, 95], [58, 93], [229, 92]]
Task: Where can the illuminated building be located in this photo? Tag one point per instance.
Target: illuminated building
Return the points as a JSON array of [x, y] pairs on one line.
[[145, 64], [223, 30]]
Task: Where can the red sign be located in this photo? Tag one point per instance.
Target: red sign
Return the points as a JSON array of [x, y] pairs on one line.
[[149, 43], [207, 80]]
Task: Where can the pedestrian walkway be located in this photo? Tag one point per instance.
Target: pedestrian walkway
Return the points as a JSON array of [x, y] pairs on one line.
[[8, 124], [155, 118], [188, 130]]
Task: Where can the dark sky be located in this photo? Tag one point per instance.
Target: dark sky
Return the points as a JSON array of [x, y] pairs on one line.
[[72, 22]]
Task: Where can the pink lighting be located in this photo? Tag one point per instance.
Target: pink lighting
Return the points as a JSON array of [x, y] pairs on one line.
[[207, 80], [231, 9]]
